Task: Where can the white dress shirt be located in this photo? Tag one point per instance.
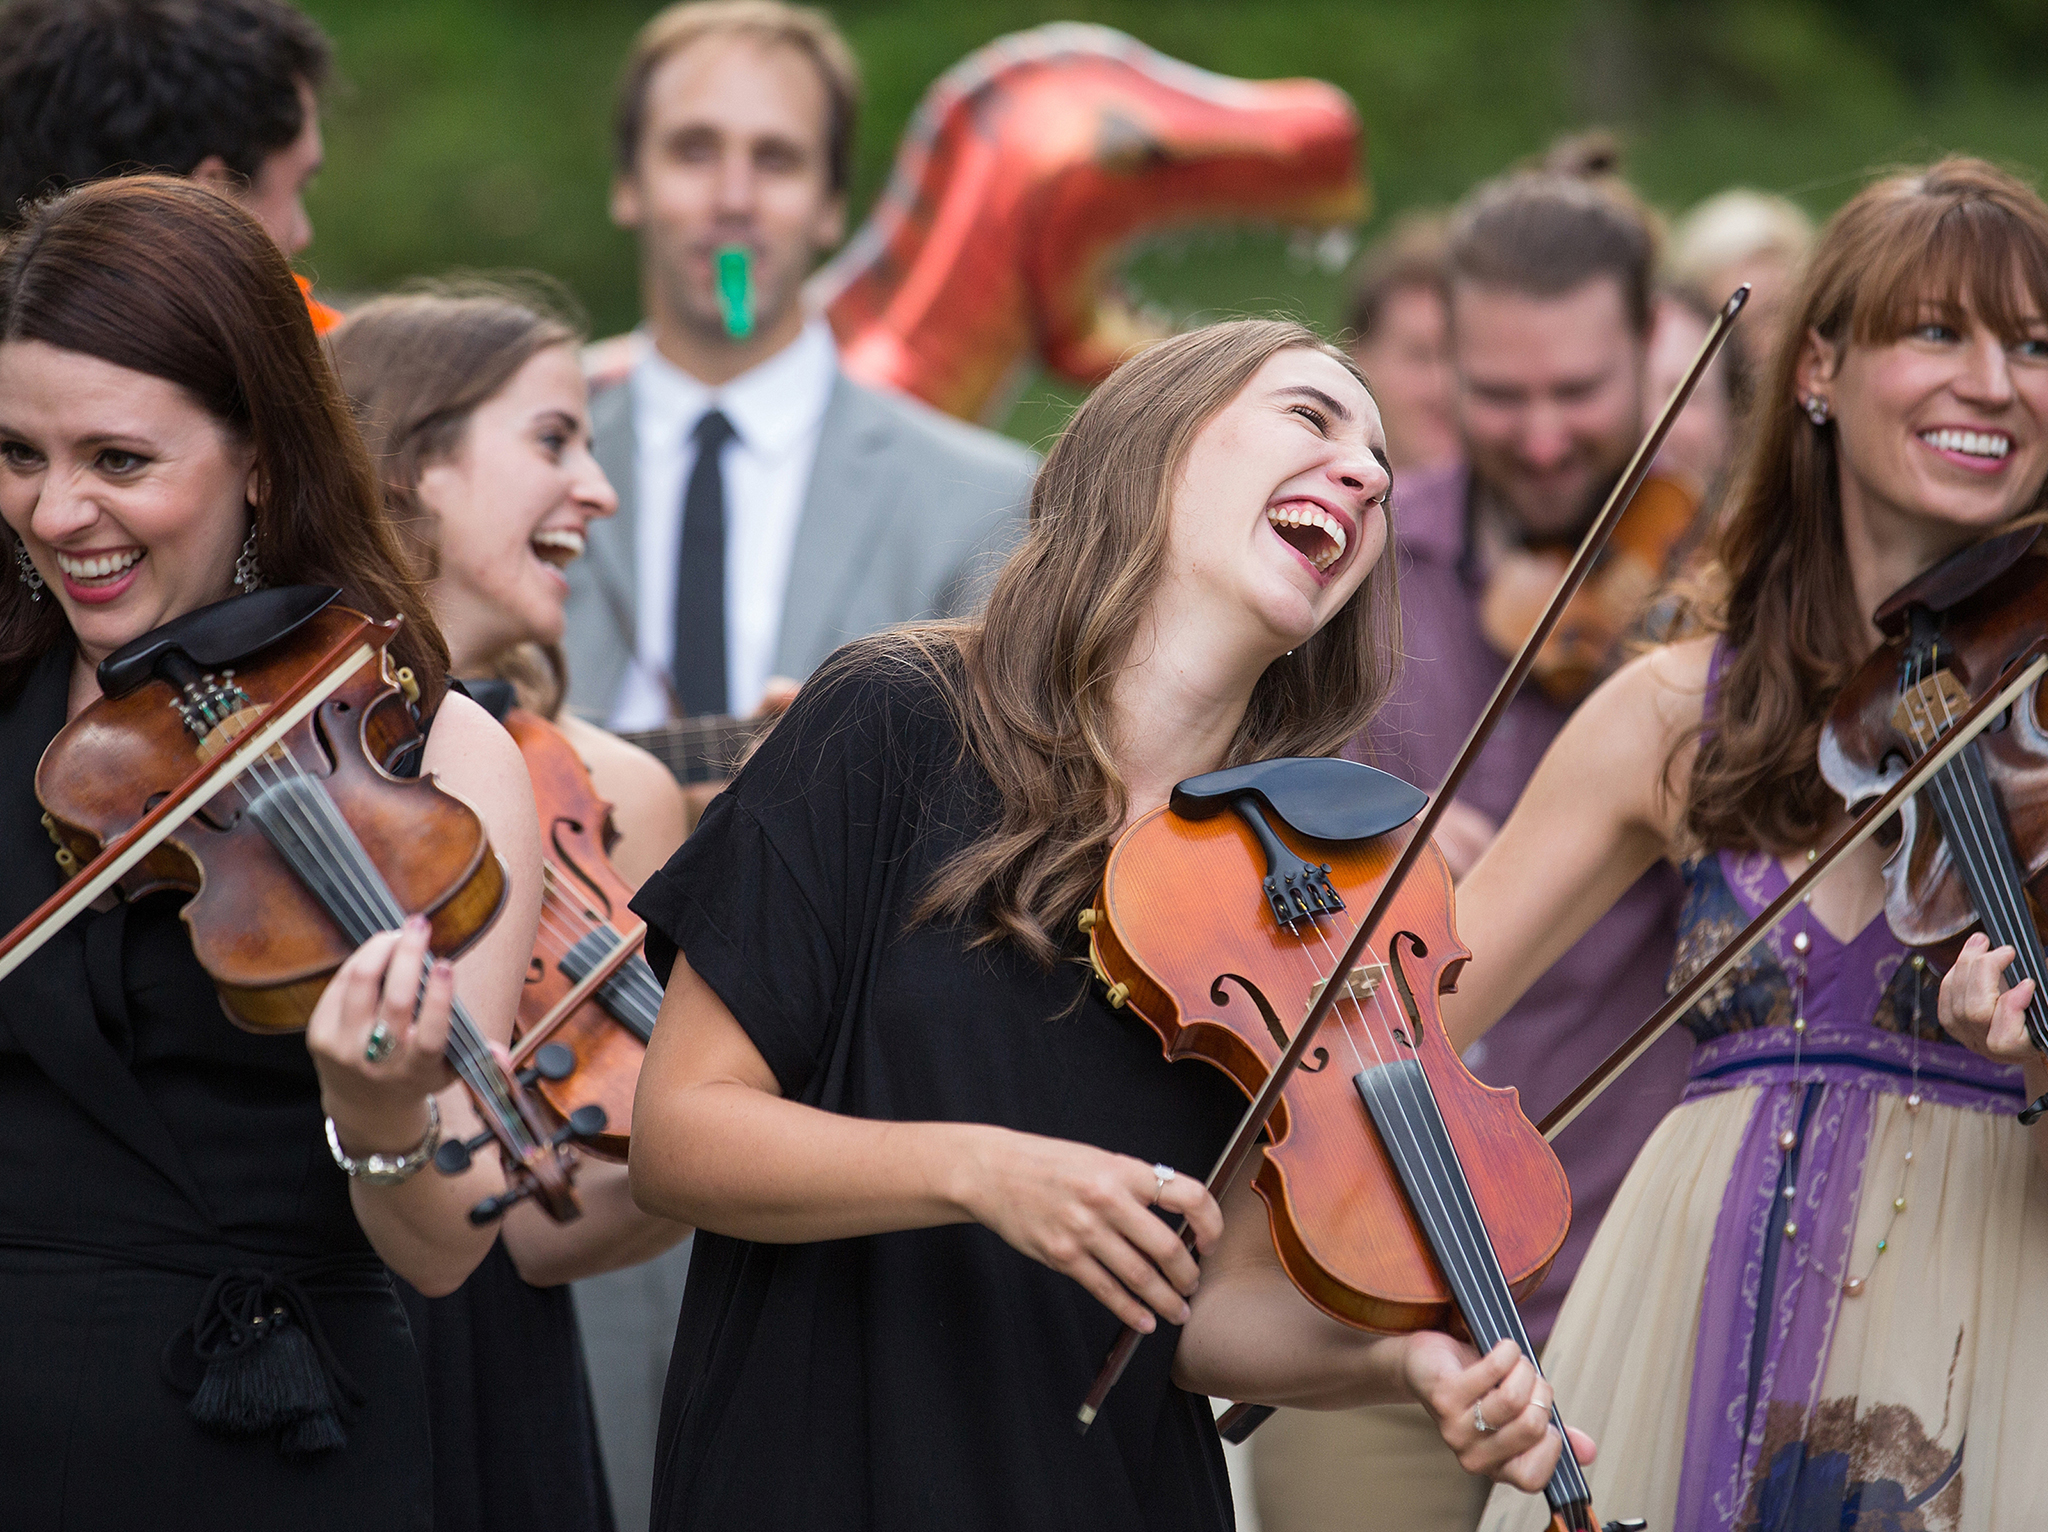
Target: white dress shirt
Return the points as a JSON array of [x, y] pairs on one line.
[[776, 410]]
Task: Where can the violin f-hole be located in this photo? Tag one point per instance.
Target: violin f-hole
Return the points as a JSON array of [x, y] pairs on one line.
[[1310, 1064]]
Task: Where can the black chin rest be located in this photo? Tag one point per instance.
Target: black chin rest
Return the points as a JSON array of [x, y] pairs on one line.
[[216, 636], [1318, 796]]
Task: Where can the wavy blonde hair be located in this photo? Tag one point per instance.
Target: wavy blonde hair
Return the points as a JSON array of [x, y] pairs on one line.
[[1029, 681]]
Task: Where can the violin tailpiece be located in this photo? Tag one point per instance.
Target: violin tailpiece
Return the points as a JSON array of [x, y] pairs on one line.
[[1295, 889]]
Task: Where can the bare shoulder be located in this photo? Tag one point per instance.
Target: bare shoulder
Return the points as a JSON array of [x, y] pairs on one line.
[[647, 801], [466, 743], [1646, 717]]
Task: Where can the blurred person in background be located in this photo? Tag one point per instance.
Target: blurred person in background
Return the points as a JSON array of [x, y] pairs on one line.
[[770, 508], [749, 467], [1400, 338], [1739, 236], [1551, 301], [473, 404], [224, 91]]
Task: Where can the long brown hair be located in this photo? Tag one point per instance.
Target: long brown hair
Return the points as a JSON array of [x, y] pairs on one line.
[[1955, 237], [162, 276], [416, 366], [1030, 680]]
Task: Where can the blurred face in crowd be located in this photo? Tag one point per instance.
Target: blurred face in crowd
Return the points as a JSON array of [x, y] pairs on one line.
[[1941, 434], [734, 151], [276, 195], [1408, 359], [512, 504], [1550, 397]]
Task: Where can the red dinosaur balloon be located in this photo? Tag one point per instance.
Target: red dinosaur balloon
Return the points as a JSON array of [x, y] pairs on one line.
[[1027, 169]]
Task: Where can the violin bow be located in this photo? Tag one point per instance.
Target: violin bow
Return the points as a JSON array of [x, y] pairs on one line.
[[1246, 1136], [1980, 716]]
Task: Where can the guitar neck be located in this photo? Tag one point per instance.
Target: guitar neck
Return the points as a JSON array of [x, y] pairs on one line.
[[705, 749]]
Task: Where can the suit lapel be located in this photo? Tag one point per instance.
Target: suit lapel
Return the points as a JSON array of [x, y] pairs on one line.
[[838, 531], [610, 549]]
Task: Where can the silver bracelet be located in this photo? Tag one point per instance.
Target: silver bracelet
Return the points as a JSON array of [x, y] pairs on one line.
[[388, 1169]]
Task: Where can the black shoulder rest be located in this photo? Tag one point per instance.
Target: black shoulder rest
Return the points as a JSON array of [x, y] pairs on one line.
[[215, 636], [1317, 796]]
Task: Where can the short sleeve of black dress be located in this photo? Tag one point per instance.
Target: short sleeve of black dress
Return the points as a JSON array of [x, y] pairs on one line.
[[925, 1379]]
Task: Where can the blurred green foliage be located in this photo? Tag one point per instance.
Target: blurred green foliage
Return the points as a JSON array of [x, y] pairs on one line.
[[474, 133]]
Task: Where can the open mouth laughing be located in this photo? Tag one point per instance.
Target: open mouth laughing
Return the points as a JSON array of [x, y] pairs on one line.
[[1311, 531], [559, 546]]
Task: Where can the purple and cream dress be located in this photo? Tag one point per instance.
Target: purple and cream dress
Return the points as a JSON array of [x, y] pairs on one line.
[[1746, 1355]]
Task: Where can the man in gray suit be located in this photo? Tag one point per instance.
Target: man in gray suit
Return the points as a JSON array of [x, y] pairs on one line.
[[770, 509]]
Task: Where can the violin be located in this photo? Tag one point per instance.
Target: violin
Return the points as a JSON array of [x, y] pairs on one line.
[[1403, 1193], [1977, 853], [243, 754], [1587, 643], [590, 1000]]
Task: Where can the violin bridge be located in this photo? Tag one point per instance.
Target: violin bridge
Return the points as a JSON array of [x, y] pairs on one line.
[[1926, 709], [1361, 984]]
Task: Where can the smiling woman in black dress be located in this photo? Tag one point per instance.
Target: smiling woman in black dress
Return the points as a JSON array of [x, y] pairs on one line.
[[919, 1146], [170, 436]]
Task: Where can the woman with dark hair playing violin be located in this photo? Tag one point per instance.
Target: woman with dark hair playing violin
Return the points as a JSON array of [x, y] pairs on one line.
[[1815, 1287], [472, 402], [927, 1161], [171, 436]]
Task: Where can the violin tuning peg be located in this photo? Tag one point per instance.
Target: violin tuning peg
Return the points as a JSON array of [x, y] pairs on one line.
[[453, 1157], [584, 1123], [551, 1062], [491, 1209]]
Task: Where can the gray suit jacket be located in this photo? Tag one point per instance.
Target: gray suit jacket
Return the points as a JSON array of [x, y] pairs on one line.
[[907, 515]]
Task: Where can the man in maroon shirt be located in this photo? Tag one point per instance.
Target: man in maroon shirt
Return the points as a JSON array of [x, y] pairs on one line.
[[1550, 303]]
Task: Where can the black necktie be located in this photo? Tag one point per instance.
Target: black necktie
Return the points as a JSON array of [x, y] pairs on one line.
[[699, 663]]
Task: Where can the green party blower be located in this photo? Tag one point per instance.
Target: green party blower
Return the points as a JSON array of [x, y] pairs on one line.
[[735, 291]]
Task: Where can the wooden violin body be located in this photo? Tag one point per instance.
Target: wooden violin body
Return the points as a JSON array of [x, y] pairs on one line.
[[243, 752], [256, 927], [585, 923], [1183, 936]]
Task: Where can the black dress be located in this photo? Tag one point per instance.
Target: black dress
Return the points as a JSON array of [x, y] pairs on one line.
[[925, 1379], [164, 1179], [515, 1434]]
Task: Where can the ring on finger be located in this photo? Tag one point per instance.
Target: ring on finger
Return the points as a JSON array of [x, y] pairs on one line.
[[1161, 1174], [382, 1041], [1479, 1422]]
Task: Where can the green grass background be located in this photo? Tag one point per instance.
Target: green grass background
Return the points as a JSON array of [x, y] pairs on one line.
[[473, 133]]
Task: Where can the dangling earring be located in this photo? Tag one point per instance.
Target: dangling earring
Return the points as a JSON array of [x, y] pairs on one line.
[[248, 573], [1816, 409], [30, 575]]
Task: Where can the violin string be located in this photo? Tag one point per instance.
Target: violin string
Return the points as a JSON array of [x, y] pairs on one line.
[[467, 1052], [1979, 822], [376, 907], [1481, 1272]]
